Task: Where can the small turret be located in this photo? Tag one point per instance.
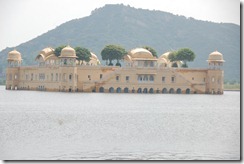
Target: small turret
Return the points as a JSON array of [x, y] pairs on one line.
[[215, 60], [14, 58], [68, 56]]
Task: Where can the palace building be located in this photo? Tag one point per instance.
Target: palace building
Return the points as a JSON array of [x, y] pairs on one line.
[[141, 73]]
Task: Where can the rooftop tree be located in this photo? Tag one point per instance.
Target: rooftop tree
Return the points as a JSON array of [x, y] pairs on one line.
[[113, 52], [183, 54], [154, 53], [58, 50], [83, 54]]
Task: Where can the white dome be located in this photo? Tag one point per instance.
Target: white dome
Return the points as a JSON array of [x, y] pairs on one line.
[[46, 53], [165, 55], [93, 55], [68, 52], [14, 55], [127, 58], [215, 57], [140, 53], [162, 60]]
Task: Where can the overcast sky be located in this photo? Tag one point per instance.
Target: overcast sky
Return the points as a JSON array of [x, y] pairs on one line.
[[23, 20]]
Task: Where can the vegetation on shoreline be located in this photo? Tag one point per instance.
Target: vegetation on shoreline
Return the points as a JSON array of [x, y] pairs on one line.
[[232, 86]]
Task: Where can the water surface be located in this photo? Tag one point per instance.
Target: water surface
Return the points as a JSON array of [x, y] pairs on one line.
[[97, 126]]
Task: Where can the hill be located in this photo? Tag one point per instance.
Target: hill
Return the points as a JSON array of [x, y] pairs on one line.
[[131, 28]]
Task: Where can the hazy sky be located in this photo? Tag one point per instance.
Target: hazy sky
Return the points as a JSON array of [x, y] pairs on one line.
[[23, 20]]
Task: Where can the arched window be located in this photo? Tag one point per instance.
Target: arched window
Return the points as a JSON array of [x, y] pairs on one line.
[[70, 77], [219, 80], [145, 63], [126, 90], [171, 90], [56, 77], [118, 90], [151, 90], [65, 61], [139, 90], [145, 78], [151, 78], [145, 90], [164, 90], [188, 91], [111, 90], [178, 91], [101, 89], [64, 77]]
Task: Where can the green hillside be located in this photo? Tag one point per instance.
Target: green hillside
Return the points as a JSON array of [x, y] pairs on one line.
[[131, 28]]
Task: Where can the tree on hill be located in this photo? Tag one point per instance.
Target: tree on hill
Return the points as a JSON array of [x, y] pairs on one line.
[[58, 50], [154, 53], [113, 52], [83, 54]]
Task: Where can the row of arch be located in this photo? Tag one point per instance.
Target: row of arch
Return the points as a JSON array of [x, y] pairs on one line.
[[144, 90]]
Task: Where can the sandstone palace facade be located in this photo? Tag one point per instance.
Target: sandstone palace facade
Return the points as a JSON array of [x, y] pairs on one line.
[[141, 73]]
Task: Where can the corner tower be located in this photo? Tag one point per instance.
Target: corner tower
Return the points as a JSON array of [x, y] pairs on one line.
[[12, 72], [215, 75], [68, 70]]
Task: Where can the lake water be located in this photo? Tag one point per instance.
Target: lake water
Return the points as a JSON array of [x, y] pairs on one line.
[[98, 126]]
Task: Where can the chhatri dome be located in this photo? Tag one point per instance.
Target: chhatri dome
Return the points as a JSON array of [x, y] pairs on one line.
[[94, 59], [45, 53], [127, 58], [162, 60], [68, 52], [215, 57], [140, 53], [165, 56], [14, 55], [93, 55]]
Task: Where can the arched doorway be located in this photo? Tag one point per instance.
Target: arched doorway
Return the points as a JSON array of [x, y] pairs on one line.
[[70, 90], [171, 90], [111, 90], [188, 91], [101, 89], [151, 90], [145, 90], [139, 90], [118, 90], [178, 91], [126, 90], [164, 90]]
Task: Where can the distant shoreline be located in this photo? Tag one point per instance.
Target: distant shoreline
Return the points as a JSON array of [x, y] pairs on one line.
[[232, 90]]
